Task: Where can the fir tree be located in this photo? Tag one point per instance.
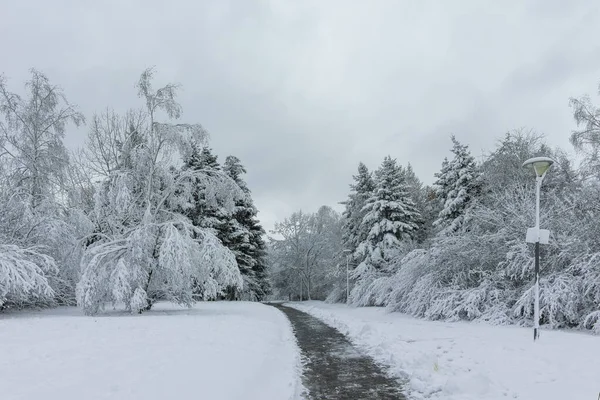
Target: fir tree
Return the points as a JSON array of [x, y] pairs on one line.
[[457, 184], [244, 237], [361, 191], [205, 213], [419, 195], [202, 159], [391, 217]]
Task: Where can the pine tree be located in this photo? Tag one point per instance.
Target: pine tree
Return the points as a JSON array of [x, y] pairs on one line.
[[419, 195], [361, 191], [234, 168], [457, 185], [205, 213], [202, 159], [391, 217], [245, 236]]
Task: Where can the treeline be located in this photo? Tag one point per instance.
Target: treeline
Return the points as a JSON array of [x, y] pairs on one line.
[[456, 250], [144, 212]]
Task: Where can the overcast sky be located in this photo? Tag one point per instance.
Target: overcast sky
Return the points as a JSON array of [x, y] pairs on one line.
[[301, 91]]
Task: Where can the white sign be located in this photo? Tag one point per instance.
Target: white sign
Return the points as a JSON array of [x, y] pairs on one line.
[[533, 234]]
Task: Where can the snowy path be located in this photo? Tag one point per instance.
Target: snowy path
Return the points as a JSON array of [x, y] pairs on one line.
[[467, 361], [216, 350], [333, 368]]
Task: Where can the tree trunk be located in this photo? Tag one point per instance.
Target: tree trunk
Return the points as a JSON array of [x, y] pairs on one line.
[[149, 302]]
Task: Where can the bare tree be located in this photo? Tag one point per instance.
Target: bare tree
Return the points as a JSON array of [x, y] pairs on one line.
[[305, 251]]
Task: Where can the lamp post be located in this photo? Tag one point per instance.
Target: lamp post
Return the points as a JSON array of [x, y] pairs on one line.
[[540, 166], [348, 252]]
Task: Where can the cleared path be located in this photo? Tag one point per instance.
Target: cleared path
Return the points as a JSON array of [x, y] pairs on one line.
[[333, 368]]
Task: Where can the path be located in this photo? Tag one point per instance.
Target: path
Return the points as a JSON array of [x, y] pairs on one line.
[[333, 368]]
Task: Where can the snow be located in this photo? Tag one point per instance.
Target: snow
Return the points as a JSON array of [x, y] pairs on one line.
[[216, 350], [468, 361]]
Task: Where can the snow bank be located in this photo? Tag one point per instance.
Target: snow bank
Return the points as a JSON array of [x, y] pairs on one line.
[[468, 361], [216, 350]]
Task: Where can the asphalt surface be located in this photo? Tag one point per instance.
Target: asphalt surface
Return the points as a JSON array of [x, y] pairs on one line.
[[333, 367]]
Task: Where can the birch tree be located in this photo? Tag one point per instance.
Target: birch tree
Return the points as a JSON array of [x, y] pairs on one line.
[[32, 133], [143, 250]]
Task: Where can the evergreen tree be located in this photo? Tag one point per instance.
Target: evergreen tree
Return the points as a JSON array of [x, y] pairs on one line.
[[234, 168], [419, 195], [457, 184], [361, 191], [202, 159], [391, 217], [244, 236], [205, 212]]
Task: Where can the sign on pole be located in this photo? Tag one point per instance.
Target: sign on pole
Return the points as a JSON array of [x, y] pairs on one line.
[[532, 235]]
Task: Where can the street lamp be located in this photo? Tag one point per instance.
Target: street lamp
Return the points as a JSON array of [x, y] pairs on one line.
[[540, 166], [348, 252]]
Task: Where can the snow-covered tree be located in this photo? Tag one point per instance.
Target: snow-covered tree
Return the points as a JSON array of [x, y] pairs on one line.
[[32, 133], [111, 138], [24, 276], [305, 254], [361, 190], [38, 223], [458, 184], [391, 217], [245, 236], [425, 202], [144, 251], [586, 140], [205, 211]]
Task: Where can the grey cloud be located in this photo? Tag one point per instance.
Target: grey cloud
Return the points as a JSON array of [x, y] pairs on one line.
[[303, 91]]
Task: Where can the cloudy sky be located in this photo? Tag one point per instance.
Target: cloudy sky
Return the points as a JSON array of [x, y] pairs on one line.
[[301, 91]]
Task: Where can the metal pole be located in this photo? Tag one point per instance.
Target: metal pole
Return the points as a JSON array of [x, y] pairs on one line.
[[536, 305], [347, 280]]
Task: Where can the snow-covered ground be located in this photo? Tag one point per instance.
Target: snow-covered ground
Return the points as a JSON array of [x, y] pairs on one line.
[[467, 361], [216, 350]]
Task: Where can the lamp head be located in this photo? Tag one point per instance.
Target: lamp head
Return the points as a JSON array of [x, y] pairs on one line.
[[540, 165]]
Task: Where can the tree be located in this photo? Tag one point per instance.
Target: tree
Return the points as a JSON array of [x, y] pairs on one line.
[[234, 168], [245, 236], [38, 225], [425, 203], [205, 212], [361, 190], [458, 184], [111, 138], [145, 251], [391, 217], [587, 139], [304, 253], [32, 134], [23, 276]]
